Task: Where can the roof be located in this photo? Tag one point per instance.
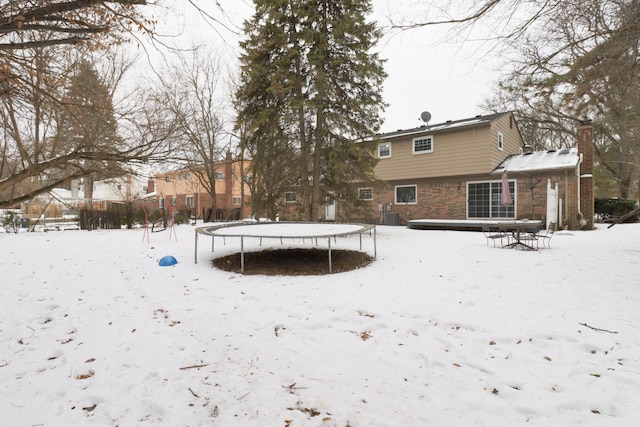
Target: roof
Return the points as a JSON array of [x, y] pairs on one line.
[[449, 124], [539, 161]]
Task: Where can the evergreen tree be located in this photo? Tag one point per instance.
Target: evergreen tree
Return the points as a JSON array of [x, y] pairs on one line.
[[88, 124], [309, 80]]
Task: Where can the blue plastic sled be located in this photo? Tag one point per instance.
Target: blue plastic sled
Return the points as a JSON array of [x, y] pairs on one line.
[[167, 261]]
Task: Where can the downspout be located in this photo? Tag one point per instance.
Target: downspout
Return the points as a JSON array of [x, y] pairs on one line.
[[578, 213]]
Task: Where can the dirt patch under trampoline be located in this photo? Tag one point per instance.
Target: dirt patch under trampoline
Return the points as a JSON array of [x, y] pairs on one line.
[[294, 262]]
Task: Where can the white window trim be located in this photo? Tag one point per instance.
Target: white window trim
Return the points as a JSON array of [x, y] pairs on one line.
[[295, 196], [387, 156], [365, 188], [395, 195], [413, 145], [236, 200], [500, 141], [494, 182]]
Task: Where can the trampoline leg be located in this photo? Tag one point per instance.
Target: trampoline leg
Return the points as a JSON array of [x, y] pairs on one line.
[[242, 255], [195, 255], [330, 266], [375, 248]]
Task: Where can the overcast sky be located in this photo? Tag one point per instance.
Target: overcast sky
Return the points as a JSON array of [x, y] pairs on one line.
[[426, 71]]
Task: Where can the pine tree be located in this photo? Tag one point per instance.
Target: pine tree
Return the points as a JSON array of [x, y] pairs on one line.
[[88, 124], [310, 80]]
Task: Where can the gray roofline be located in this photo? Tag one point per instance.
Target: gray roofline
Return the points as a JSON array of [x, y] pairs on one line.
[[472, 121]]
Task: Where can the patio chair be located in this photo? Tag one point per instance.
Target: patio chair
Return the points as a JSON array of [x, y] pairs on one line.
[[547, 234], [492, 235]]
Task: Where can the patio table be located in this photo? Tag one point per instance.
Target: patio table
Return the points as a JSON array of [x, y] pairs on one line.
[[521, 232]]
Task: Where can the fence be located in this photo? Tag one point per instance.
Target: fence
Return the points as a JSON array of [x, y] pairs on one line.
[[91, 220]]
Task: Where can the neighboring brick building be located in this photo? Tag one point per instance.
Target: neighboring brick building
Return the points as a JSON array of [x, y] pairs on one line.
[[184, 192]]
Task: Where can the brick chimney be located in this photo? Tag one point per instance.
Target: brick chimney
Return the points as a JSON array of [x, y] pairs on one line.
[[586, 150]]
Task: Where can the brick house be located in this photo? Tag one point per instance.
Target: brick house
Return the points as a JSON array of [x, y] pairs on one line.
[[183, 191], [453, 171]]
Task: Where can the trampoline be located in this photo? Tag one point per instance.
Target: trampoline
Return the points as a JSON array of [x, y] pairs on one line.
[[282, 231]]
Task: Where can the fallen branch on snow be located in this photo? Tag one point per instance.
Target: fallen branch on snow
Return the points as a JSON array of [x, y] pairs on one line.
[[598, 329], [193, 367]]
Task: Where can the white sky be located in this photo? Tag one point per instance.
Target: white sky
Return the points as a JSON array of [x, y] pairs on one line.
[[426, 73]]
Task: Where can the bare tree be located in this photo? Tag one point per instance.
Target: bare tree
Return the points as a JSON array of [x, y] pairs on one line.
[[36, 157], [194, 102], [585, 66], [27, 24]]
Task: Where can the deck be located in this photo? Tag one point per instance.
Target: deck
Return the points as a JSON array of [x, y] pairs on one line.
[[462, 224]]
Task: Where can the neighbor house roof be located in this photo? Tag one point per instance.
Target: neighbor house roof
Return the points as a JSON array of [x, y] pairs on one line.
[[539, 161], [449, 124]]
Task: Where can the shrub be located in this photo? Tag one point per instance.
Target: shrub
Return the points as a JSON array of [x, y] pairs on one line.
[[10, 221], [607, 210]]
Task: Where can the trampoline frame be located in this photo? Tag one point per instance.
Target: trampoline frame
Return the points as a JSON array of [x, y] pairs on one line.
[[216, 231]]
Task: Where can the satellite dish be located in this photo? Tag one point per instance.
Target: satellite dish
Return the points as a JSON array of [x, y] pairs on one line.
[[425, 116]]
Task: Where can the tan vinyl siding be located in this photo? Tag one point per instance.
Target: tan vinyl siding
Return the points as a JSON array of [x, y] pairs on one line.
[[505, 124], [456, 151]]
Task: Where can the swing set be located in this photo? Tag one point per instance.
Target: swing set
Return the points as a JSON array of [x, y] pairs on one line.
[[160, 224]]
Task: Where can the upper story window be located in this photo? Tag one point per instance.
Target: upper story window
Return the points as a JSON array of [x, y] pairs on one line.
[[423, 144], [365, 193], [190, 201], [289, 197], [167, 178], [236, 200], [500, 141], [218, 176], [384, 150]]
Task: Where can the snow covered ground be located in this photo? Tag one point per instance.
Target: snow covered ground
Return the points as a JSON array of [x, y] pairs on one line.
[[441, 330]]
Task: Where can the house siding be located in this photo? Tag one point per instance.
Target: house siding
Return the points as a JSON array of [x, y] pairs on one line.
[[468, 150], [226, 189], [446, 198]]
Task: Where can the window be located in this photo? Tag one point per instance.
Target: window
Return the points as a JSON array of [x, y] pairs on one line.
[[423, 144], [365, 193], [186, 176], [290, 197], [384, 150], [190, 201], [500, 141], [484, 200], [173, 201], [218, 176], [161, 203], [179, 177], [167, 178], [406, 194], [236, 200]]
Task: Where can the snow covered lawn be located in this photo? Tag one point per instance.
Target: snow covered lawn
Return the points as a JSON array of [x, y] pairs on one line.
[[441, 330]]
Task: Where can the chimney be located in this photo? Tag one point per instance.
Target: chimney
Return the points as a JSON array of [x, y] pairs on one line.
[[526, 149], [150, 186], [586, 151]]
